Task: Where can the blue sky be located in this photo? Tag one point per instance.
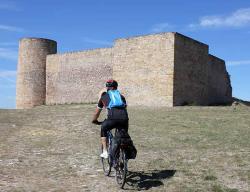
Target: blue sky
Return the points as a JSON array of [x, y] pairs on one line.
[[85, 24]]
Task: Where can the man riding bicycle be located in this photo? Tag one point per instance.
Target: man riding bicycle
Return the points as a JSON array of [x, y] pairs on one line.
[[117, 116]]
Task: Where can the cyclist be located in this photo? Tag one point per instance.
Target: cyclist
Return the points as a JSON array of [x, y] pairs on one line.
[[117, 116]]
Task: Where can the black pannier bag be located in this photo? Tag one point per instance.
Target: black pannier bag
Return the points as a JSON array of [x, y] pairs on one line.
[[123, 138], [130, 150]]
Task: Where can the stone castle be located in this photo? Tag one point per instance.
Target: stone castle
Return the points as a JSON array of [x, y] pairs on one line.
[[166, 69]]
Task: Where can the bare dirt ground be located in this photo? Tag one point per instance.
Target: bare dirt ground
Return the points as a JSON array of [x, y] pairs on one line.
[[180, 149]]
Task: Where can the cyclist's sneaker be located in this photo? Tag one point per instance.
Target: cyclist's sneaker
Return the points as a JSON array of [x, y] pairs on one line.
[[104, 154]]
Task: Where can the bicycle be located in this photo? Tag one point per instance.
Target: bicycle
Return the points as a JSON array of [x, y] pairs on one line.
[[119, 163]]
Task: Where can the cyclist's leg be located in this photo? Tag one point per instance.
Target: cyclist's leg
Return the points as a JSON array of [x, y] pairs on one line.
[[122, 125], [107, 125]]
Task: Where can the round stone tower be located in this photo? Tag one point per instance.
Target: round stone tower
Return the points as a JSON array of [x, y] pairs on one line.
[[31, 71]]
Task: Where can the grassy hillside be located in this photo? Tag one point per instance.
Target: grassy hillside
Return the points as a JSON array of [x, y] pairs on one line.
[[182, 149]]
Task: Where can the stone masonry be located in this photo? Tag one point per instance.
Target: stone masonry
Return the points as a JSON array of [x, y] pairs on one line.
[[144, 67], [31, 76], [166, 69], [77, 77]]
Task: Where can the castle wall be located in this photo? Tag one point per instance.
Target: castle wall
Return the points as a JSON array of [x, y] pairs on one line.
[[143, 67], [190, 71], [30, 86], [220, 90], [167, 69], [77, 77]]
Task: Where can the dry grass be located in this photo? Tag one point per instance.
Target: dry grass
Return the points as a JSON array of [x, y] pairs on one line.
[[179, 149]]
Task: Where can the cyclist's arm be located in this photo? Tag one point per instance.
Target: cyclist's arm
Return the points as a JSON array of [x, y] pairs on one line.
[[124, 100], [98, 111], [96, 115]]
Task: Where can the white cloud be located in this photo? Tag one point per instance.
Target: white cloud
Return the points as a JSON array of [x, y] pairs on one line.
[[161, 27], [11, 6], [97, 42], [7, 82], [11, 28], [7, 78], [8, 44], [8, 54], [7, 73], [239, 18], [237, 63]]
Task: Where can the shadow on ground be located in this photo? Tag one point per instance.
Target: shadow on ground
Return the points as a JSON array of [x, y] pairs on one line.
[[145, 180]]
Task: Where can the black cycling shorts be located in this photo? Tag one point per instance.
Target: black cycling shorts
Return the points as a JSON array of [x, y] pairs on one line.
[[109, 124]]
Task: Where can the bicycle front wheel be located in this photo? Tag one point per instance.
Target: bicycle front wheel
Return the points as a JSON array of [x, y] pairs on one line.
[[121, 169]]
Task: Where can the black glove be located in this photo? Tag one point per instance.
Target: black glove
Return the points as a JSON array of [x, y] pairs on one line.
[[96, 122]]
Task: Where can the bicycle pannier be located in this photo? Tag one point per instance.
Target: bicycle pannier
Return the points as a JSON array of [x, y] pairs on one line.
[[124, 139], [130, 150]]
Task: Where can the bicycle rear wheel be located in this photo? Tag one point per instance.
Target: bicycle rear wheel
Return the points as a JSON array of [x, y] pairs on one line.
[[106, 164], [121, 169]]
